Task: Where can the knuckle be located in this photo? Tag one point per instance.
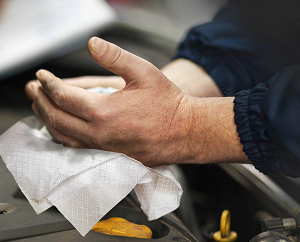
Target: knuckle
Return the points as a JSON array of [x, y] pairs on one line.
[[100, 117], [59, 98], [111, 53], [52, 119], [115, 55], [94, 115]]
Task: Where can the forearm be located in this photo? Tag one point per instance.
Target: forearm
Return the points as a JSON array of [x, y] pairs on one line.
[[212, 135], [191, 78]]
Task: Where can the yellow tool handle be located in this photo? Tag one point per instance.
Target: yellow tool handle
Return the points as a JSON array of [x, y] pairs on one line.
[[225, 223], [225, 235]]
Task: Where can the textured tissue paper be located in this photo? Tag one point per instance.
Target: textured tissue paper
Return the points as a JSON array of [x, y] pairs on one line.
[[83, 184]]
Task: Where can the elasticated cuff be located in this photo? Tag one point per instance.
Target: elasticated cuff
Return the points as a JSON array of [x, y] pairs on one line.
[[249, 121]]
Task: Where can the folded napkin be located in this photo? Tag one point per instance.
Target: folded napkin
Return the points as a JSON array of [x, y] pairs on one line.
[[83, 184]]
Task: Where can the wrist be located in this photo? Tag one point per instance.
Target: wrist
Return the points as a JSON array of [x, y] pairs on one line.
[[212, 135], [181, 130]]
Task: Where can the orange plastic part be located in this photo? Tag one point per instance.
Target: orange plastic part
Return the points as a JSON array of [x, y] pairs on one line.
[[122, 227]]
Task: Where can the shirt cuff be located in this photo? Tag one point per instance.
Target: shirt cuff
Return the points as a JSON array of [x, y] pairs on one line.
[[250, 126]]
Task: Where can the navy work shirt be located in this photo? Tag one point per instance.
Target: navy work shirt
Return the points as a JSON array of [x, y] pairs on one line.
[[251, 49]]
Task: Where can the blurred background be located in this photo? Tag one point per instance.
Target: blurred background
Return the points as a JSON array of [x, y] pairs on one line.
[[53, 35]]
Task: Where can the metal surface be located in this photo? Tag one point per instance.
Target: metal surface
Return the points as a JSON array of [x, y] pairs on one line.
[[270, 237], [269, 193], [186, 211], [289, 224]]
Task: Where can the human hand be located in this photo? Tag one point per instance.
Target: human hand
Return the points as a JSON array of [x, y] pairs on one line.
[[85, 82], [148, 119]]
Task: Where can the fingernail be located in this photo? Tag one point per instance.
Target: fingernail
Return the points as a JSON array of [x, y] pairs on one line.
[[96, 45], [37, 74], [30, 86]]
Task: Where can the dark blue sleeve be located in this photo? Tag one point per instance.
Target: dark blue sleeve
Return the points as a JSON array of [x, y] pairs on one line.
[[246, 43], [268, 122]]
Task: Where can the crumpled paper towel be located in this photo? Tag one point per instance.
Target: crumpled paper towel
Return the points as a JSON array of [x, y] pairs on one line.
[[83, 184]]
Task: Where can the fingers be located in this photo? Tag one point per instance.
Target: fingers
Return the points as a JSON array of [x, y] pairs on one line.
[[51, 116], [96, 81], [85, 82], [72, 99], [56, 119], [59, 137], [119, 61], [31, 89]]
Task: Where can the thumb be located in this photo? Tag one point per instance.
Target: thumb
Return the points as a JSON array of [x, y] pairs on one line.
[[121, 62]]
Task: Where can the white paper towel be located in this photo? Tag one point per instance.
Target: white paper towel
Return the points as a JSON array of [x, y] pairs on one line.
[[83, 184]]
